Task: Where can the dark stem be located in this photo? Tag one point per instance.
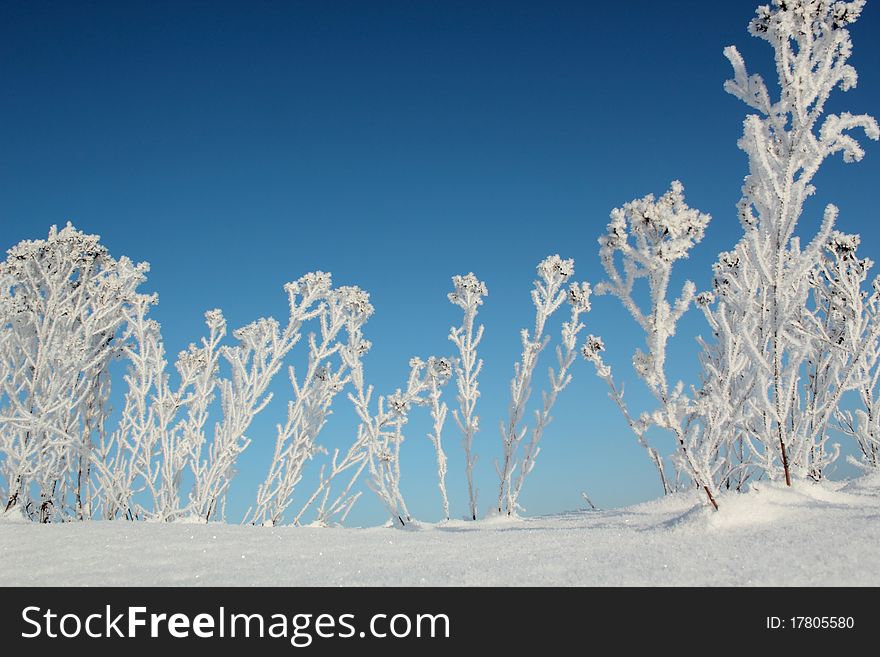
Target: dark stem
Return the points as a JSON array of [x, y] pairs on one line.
[[711, 498]]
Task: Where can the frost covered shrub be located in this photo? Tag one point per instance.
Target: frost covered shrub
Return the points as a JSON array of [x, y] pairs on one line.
[[68, 309], [792, 329], [786, 142], [64, 307], [766, 295]]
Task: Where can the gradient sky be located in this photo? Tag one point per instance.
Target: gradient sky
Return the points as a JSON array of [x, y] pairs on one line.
[[236, 146]]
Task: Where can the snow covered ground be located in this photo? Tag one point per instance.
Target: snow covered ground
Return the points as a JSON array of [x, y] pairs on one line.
[[825, 534]]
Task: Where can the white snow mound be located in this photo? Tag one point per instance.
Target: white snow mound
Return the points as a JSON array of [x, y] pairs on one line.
[[810, 534]]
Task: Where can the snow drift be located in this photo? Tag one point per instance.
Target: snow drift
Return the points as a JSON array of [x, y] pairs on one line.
[[813, 535]]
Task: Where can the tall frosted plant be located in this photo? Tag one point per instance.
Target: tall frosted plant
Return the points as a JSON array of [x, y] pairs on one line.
[[468, 295], [548, 295], [648, 236], [786, 141]]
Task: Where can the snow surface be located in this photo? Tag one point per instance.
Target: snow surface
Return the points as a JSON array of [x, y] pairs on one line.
[[813, 534]]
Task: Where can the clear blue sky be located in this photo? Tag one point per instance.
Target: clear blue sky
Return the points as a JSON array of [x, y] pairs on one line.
[[236, 146]]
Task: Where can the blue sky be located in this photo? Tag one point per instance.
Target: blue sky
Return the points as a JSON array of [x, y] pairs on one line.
[[236, 146]]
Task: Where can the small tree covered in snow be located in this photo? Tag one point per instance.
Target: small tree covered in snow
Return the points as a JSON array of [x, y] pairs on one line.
[[468, 295], [792, 330], [64, 303], [786, 142]]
